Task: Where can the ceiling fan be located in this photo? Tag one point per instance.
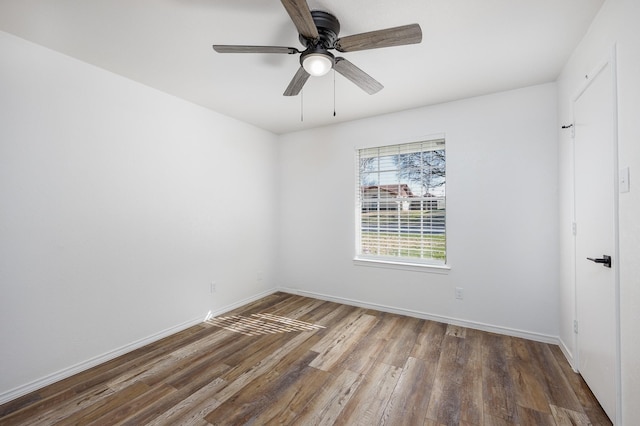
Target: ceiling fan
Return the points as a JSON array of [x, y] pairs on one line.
[[318, 33]]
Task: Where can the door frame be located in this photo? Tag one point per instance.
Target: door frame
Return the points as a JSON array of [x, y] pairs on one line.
[[611, 61]]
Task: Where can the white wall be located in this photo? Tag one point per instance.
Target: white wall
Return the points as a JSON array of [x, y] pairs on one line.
[[502, 204], [118, 205], [617, 23]]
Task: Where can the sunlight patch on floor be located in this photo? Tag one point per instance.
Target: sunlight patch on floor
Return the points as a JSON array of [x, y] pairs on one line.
[[260, 324]]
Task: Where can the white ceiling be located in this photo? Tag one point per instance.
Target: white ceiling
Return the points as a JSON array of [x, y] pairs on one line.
[[469, 48]]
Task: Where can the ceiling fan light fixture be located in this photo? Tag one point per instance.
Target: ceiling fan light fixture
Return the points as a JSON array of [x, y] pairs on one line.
[[318, 32], [318, 64]]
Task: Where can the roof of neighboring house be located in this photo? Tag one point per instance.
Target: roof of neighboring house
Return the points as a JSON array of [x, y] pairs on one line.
[[397, 190]]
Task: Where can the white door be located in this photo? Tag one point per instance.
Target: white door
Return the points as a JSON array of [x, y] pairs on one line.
[[595, 198]]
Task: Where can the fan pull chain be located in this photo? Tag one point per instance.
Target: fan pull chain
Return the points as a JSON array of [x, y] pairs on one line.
[[334, 92]]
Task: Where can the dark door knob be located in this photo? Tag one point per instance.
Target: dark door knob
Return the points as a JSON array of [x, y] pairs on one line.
[[605, 260]]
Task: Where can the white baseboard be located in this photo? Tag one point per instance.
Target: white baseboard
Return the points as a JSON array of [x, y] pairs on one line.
[[92, 362], [240, 303], [85, 365], [567, 354], [538, 337]]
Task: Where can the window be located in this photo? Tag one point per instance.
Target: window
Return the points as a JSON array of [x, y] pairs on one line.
[[401, 203]]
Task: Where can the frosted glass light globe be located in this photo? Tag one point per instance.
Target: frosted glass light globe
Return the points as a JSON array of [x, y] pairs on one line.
[[317, 64]]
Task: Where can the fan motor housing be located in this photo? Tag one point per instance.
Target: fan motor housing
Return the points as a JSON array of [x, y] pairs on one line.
[[328, 28]]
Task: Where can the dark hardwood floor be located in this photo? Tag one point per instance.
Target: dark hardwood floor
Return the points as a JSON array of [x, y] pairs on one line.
[[288, 359]]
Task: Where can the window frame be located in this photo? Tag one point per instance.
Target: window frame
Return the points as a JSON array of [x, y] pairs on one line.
[[396, 262]]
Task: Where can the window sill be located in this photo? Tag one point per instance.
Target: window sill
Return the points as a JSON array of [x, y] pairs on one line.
[[405, 266]]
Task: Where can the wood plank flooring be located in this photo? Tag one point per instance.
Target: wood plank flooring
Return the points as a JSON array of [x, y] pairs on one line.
[[288, 359]]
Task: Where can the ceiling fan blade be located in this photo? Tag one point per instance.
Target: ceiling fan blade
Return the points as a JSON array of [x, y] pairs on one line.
[[397, 36], [300, 14], [357, 76], [295, 86], [226, 48]]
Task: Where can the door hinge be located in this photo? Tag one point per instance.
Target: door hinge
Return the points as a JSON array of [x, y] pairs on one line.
[[574, 228], [575, 326]]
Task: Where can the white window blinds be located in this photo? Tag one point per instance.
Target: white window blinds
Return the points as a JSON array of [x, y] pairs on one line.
[[401, 207]]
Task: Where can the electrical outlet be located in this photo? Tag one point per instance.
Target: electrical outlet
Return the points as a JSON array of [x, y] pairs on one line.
[[459, 293], [213, 287]]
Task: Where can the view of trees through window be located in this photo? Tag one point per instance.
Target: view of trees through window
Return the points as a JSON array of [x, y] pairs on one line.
[[401, 208]]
